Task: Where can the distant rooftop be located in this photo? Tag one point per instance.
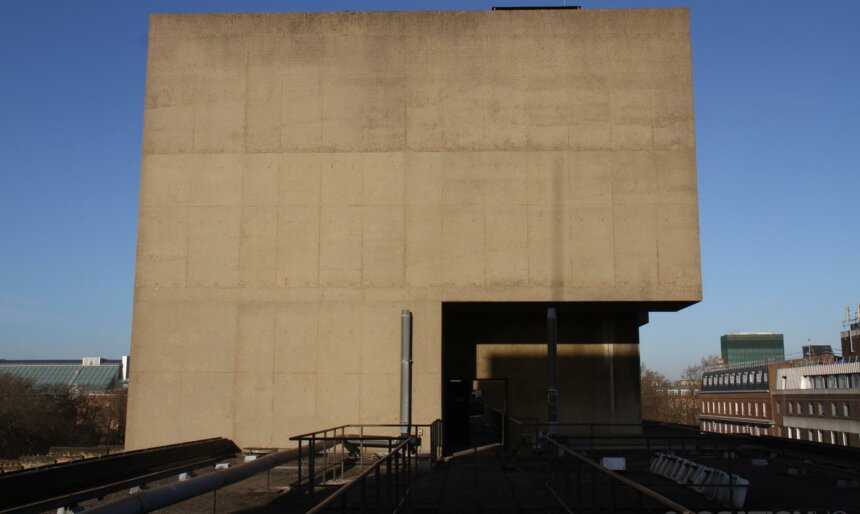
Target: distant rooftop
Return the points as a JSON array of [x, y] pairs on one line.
[[91, 373]]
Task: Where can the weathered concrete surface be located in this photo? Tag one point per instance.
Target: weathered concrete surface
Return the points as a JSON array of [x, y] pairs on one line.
[[307, 176]]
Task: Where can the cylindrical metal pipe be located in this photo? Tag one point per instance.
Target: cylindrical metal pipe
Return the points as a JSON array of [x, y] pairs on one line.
[[405, 371], [162, 496], [552, 372]]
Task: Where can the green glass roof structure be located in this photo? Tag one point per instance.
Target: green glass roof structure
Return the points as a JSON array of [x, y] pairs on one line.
[[67, 373]]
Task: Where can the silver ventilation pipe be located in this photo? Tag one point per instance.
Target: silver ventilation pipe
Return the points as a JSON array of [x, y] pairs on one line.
[[405, 372]]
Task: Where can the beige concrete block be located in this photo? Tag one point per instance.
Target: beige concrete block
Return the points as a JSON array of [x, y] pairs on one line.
[[507, 256], [504, 185], [589, 100], [677, 245], [260, 180], [341, 180], [548, 254], [337, 398], [164, 180], [379, 401], [424, 241], [636, 245], [383, 246], [383, 179], [168, 129], [255, 345], [673, 134], [341, 330], [219, 122], [592, 247], [296, 337], [548, 180], [157, 341], [206, 401], [154, 392], [630, 136], [463, 180], [672, 103], [295, 406], [217, 180], [362, 112], [441, 116], [463, 246], [213, 246], [630, 106], [210, 326], [635, 178], [300, 180], [424, 172], [163, 232], [527, 111], [253, 408], [591, 177], [426, 337], [340, 246], [298, 246], [301, 110], [380, 338], [161, 271], [258, 250], [590, 135], [676, 176], [263, 112]]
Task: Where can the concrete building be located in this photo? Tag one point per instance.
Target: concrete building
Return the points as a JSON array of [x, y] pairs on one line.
[[307, 176], [748, 347]]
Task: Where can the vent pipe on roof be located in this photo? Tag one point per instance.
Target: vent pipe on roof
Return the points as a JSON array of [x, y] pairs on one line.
[[405, 372]]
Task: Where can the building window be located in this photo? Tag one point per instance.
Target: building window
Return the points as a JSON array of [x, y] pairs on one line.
[[790, 407], [843, 381], [736, 408], [809, 435], [749, 409], [778, 407], [845, 410], [831, 382], [833, 409], [832, 437], [844, 439], [788, 429], [763, 409], [798, 408], [820, 439], [819, 382], [809, 408], [855, 381], [742, 409], [820, 409], [756, 410]]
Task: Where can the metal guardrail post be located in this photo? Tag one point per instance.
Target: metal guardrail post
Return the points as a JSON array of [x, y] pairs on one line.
[[299, 483]]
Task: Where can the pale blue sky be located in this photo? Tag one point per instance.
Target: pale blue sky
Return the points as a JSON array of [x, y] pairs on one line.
[[777, 89]]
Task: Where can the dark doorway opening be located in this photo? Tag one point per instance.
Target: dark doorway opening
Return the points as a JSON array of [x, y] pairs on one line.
[[493, 355]]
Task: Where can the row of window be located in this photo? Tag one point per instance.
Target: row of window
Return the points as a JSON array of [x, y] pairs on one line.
[[797, 408], [822, 436], [832, 381], [740, 408], [741, 377], [732, 428]]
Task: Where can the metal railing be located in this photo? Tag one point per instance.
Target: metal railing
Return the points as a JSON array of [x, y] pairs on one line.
[[341, 463], [566, 480]]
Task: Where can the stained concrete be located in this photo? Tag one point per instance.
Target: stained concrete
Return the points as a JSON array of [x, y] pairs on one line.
[[305, 176]]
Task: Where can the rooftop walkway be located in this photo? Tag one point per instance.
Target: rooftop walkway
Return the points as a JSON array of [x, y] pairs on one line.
[[475, 481]]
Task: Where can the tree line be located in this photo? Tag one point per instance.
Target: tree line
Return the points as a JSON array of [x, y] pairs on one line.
[[34, 417], [674, 401]]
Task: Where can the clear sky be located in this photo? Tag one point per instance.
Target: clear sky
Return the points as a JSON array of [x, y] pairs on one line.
[[777, 90]]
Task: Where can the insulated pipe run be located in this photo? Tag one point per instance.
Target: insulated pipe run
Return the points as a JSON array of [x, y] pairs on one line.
[[405, 372], [552, 372]]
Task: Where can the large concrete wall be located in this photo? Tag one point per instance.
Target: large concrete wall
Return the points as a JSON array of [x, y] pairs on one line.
[[307, 176]]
